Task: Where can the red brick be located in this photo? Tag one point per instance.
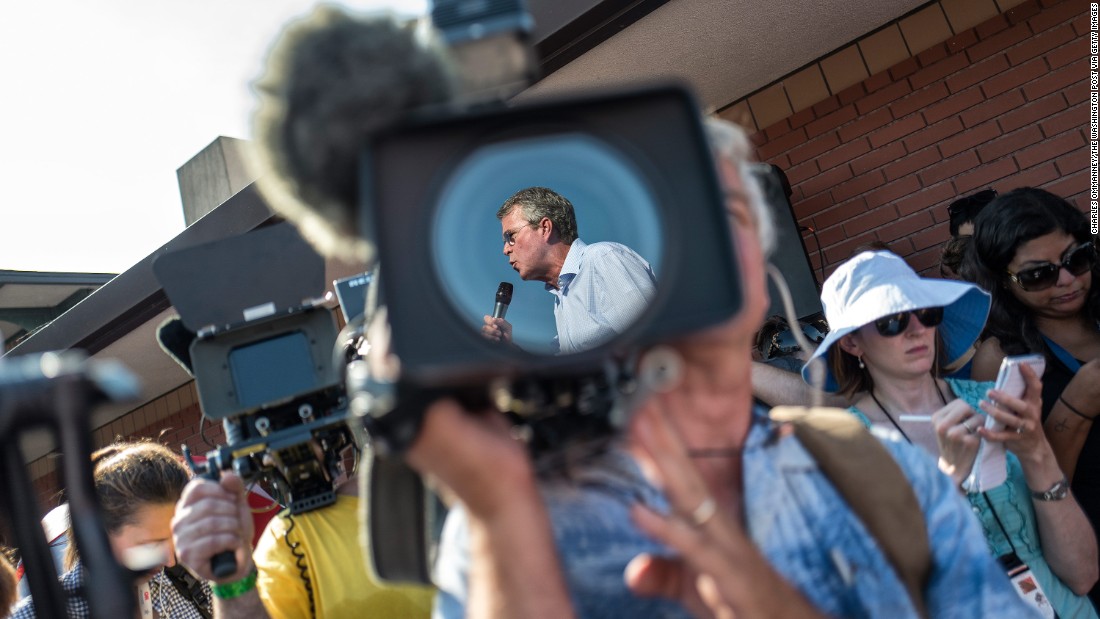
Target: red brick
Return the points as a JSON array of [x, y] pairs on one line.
[[904, 68], [777, 129], [890, 93], [801, 117], [1081, 26], [1076, 93], [930, 237], [1057, 80], [991, 27], [1020, 12], [932, 55], [1049, 149], [991, 108], [905, 226], [1070, 185], [1010, 143], [1072, 118], [865, 125], [896, 130], [871, 220], [999, 42], [961, 41], [984, 175], [851, 94], [949, 168], [969, 139], [813, 148], [843, 251], [877, 81], [826, 181], [826, 106], [838, 214], [831, 121], [783, 161], [977, 73], [1074, 51], [878, 158], [916, 161], [797, 174], [1043, 43], [1014, 77], [1050, 17], [1031, 177], [1073, 162], [758, 139], [781, 145], [843, 153], [926, 263], [953, 105], [857, 186], [806, 209], [1036, 110], [919, 100], [892, 191], [938, 71]]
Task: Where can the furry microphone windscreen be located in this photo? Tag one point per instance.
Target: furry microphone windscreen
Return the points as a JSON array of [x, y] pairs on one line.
[[331, 80]]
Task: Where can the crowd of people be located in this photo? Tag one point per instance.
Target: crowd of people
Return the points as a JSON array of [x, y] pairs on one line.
[[707, 503]]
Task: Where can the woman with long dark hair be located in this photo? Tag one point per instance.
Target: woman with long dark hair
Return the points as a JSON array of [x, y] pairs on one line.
[[1036, 254]]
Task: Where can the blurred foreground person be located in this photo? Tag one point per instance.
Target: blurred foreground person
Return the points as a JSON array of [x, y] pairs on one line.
[[893, 332], [137, 484], [747, 524]]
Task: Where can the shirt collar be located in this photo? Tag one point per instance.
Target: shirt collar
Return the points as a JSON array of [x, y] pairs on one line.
[[572, 263]]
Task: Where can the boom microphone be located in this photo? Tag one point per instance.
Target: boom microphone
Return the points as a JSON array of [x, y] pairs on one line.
[[504, 297]]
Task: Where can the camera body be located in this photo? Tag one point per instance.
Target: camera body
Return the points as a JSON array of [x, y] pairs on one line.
[[264, 360]]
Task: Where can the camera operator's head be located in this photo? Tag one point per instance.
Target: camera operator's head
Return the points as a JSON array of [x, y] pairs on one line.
[[537, 227], [332, 80]]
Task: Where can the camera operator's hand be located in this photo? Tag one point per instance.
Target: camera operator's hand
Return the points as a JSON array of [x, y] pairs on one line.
[[515, 570], [719, 571], [212, 517], [497, 330]]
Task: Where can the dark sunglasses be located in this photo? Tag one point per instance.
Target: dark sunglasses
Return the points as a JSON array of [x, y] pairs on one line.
[[896, 324], [1076, 261]]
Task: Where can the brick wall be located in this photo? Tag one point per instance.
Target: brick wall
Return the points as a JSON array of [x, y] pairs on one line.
[[173, 419], [1002, 104]]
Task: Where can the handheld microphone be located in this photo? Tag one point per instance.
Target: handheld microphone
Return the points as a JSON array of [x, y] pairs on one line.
[[504, 297]]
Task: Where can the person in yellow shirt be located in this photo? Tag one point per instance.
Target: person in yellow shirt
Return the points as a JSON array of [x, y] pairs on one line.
[[307, 565]]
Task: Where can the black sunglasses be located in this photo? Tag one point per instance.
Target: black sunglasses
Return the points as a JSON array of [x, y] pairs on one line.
[[896, 324], [1076, 261]]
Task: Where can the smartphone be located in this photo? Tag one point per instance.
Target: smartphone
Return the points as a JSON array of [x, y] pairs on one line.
[[1011, 381]]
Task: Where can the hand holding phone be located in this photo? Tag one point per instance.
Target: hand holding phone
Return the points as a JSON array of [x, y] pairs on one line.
[[1011, 382]]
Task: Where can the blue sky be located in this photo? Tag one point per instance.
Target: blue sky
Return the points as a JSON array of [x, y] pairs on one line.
[[104, 100]]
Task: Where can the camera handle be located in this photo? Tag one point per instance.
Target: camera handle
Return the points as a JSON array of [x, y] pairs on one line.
[[224, 563]]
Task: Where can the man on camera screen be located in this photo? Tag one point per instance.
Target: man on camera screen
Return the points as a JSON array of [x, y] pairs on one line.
[[599, 289]]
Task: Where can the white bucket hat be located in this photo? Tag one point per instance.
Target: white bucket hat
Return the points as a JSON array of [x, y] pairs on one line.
[[879, 283]]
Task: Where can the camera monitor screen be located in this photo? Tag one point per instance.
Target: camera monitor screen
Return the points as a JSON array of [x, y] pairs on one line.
[[272, 369]]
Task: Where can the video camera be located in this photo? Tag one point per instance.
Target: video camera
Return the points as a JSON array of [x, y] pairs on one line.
[[267, 359], [639, 170]]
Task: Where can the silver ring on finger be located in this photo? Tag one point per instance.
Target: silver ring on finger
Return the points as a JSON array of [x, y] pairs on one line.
[[702, 514], [969, 428], [1020, 429]]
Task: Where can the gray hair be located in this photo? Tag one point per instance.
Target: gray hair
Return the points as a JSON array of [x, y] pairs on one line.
[[538, 202], [730, 141]]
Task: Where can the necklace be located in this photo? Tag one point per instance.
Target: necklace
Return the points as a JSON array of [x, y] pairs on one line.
[[891, 417]]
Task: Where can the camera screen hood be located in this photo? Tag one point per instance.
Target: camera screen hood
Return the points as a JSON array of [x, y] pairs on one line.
[[639, 171]]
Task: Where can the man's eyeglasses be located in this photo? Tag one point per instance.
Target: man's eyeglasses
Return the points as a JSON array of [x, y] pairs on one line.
[[509, 236], [1076, 261], [896, 324]]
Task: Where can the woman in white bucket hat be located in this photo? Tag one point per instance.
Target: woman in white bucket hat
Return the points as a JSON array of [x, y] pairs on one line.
[[891, 333]]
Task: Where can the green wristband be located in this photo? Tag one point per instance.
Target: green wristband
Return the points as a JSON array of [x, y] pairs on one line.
[[230, 590]]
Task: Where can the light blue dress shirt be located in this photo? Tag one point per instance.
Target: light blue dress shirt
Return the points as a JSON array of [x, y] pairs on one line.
[[602, 289]]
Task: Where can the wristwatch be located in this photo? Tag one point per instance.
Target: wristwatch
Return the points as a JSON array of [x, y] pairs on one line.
[[1057, 492]]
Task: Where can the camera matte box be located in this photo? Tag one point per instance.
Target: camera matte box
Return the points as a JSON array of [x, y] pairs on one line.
[[657, 130]]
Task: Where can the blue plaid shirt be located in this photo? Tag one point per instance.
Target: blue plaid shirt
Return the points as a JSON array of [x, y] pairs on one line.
[[602, 289], [796, 518]]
